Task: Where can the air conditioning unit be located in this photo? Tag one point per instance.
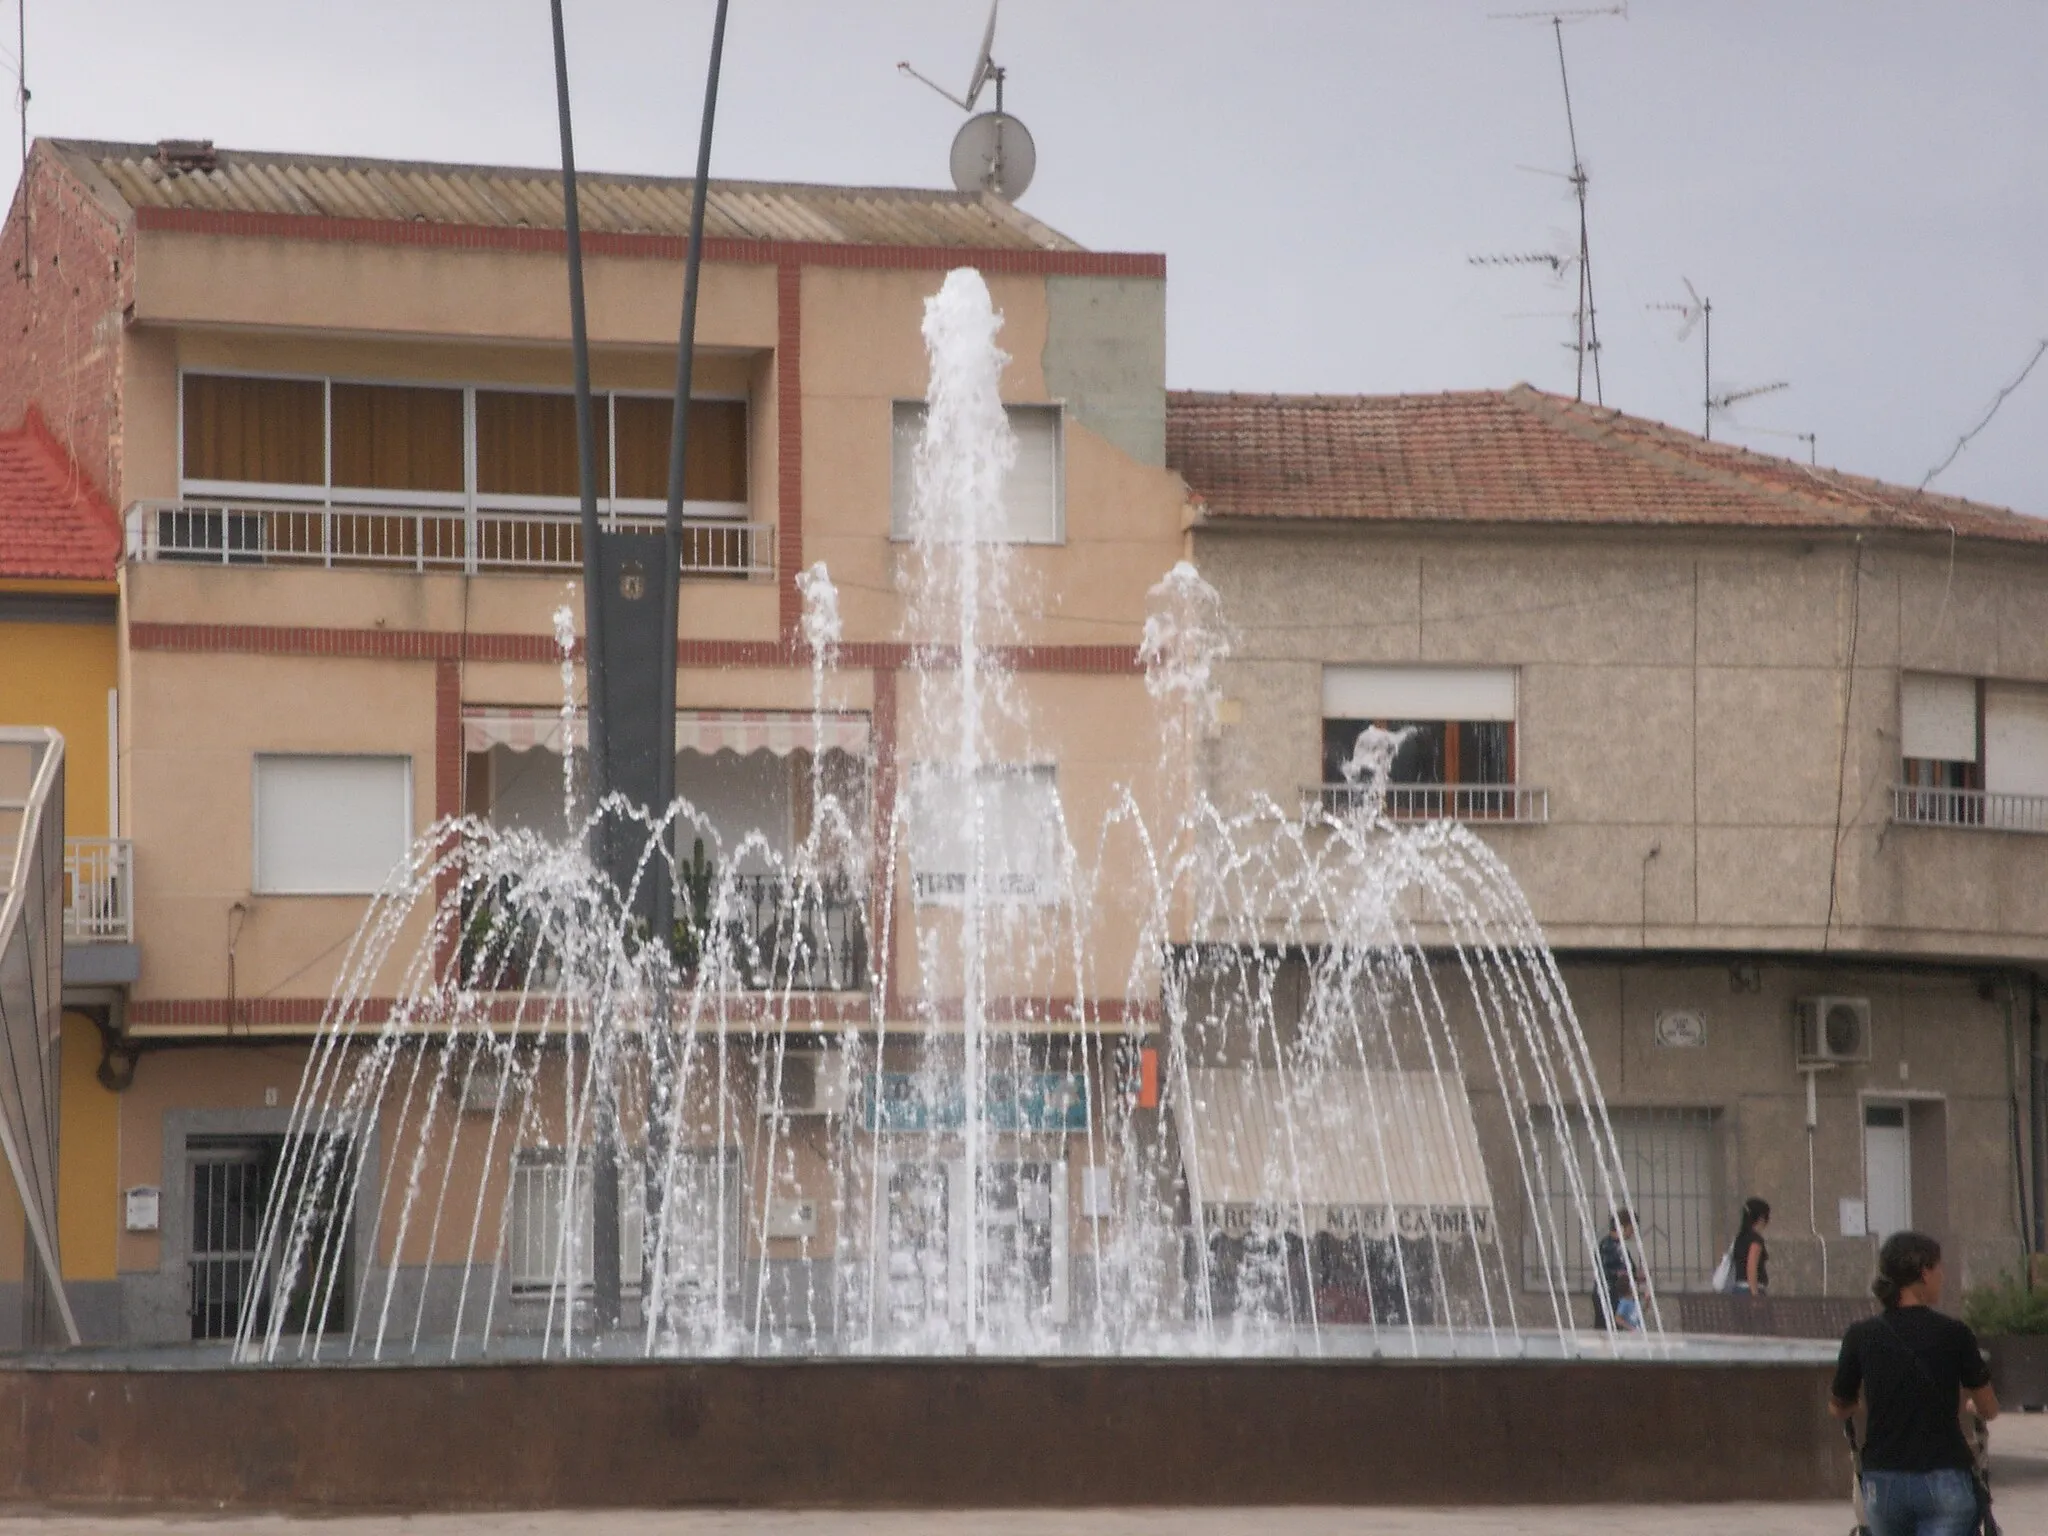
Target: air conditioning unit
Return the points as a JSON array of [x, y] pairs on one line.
[[485, 1090], [812, 1083], [792, 1218], [1832, 1030]]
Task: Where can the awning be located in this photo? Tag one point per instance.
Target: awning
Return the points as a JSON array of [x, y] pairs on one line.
[[697, 730], [1371, 1153]]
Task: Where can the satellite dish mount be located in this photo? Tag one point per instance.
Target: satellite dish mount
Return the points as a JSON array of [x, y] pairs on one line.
[[993, 151]]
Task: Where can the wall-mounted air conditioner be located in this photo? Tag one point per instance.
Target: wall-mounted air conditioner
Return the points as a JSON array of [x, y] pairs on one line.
[[484, 1090], [812, 1083], [1831, 1030], [792, 1218]]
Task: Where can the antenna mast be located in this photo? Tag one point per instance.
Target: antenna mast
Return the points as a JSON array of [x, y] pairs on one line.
[[1585, 315]]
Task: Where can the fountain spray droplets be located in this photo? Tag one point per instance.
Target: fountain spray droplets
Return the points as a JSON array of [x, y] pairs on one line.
[[993, 1074]]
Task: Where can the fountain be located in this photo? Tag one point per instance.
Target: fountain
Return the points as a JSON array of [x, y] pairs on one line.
[[1343, 1042], [1294, 1218]]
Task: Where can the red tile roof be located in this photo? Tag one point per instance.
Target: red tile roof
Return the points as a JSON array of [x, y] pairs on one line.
[[1521, 456], [53, 521]]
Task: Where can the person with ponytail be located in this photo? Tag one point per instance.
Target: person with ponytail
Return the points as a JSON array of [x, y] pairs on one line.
[[1749, 1259], [1913, 1369]]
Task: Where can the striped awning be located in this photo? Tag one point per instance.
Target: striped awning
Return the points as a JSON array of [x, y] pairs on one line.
[[697, 730], [1377, 1153]]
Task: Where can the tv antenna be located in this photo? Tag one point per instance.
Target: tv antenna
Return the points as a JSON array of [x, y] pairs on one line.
[[993, 151], [1693, 311], [1586, 321]]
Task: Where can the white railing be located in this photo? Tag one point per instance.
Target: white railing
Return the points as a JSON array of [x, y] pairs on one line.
[[283, 533], [99, 890], [1982, 810], [1506, 804]]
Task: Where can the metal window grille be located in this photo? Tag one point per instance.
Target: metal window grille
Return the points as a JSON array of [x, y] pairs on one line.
[[1670, 1161], [230, 1187], [697, 1200], [1934, 807]]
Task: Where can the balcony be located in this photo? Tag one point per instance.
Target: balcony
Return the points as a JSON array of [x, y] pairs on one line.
[[773, 937], [99, 890], [1489, 804], [1976, 809], [419, 538]]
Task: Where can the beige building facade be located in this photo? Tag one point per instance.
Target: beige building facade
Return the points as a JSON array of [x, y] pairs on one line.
[[1755, 740]]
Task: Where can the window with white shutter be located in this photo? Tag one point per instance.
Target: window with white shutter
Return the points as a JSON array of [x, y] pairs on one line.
[[330, 825], [1034, 492], [1457, 757], [1939, 742]]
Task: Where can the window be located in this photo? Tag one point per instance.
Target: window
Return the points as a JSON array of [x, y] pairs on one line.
[[1972, 753], [319, 439], [1034, 493], [1670, 1161], [1458, 757], [330, 826], [705, 1250], [1018, 814]]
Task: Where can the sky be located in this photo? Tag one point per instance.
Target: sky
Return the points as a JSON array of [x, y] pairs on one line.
[[1859, 186]]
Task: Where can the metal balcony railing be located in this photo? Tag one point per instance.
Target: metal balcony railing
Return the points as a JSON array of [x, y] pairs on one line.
[[99, 890], [397, 538], [1983, 810], [1502, 804]]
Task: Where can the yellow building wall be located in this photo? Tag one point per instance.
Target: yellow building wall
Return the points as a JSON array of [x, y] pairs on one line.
[[58, 675], [88, 1158]]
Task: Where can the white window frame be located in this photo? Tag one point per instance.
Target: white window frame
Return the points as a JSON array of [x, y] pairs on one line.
[[899, 517], [257, 883]]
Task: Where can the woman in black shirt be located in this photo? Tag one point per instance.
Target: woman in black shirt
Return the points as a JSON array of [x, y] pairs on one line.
[[1913, 1369], [1750, 1260]]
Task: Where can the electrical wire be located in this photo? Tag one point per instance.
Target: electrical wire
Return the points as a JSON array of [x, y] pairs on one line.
[[1962, 442]]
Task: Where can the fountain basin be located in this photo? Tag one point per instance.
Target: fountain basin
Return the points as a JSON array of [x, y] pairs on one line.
[[924, 1433]]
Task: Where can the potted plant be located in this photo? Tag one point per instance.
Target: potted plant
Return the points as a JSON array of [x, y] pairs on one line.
[[2010, 1318]]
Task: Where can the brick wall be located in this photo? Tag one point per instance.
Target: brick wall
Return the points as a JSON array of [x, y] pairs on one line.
[[65, 277]]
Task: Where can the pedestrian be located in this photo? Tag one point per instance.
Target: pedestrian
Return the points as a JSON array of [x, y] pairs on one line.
[[1620, 1278], [1749, 1261], [1913, 1369]]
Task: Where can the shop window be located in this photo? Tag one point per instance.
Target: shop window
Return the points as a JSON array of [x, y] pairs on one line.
[[253, 431], [1033, 506], [330, 826]]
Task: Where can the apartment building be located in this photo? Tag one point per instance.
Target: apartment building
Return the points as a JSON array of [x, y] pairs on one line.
[[1766, 746], [330, 401]]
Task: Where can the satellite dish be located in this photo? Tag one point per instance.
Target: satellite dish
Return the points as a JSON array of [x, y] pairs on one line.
[[984, 66], [993, 152]]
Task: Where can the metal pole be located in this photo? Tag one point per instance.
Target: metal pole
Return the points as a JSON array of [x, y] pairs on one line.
[[604, 1258], [1707, 389], [678, 446]]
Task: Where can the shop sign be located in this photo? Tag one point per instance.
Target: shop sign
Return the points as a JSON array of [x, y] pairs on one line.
[[1016, 1101], [1411, 1223]]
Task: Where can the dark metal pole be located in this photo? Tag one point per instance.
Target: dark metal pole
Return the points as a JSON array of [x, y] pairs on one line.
[[604, 1241], [2037, 1083], [678, 446]]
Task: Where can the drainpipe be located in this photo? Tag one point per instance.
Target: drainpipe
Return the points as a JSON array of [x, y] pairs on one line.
[[1812, 1210], [2036, 1076]]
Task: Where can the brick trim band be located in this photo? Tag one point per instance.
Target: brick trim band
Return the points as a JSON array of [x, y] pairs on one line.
[[552, 242], [452, 645]]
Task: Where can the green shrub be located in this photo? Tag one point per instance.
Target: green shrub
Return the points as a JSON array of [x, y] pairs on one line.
[[2006, 1308]]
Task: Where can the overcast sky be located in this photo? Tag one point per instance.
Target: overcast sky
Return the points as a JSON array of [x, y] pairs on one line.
[[1860, 187]]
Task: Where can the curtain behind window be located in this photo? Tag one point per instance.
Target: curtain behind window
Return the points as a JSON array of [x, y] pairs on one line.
[[259, 431], [397, 438], [717, 466], [526, 444]]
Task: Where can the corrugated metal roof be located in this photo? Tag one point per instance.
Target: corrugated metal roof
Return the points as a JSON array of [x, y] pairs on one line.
[[1339, 1140], [252, 181], [1521, 456]]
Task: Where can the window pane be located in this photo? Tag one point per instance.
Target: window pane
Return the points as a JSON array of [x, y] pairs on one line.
[[331, 825], [717, 468], [1484, 755], [1032, 492], [261, 431], [1019, 822], [397, 438], [1420, 758], [526, 444]]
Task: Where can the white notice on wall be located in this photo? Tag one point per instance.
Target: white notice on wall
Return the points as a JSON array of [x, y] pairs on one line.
[[1855, 1221], [142, 1208]]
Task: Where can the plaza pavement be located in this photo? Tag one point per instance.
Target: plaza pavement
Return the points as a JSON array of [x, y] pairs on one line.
[[2020, 1484]]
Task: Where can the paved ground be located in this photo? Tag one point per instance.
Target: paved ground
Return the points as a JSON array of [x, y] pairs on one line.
[[2020, 1449]]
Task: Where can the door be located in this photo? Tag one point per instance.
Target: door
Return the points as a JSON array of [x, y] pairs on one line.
[[231, 1178], [1887, 1169]]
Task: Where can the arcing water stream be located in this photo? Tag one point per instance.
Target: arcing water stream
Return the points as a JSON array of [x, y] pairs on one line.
[[1343, 1106]]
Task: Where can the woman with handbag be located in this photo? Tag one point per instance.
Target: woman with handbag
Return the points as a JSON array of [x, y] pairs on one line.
[[1913, 1370]]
